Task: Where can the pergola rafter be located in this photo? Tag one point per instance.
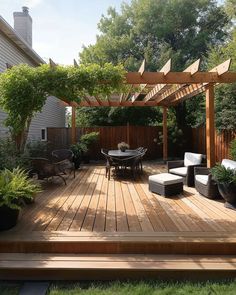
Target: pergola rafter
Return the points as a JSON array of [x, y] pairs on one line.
[[192, 69], [159, 88]]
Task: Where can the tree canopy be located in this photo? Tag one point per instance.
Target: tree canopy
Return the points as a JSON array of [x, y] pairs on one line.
[[157, 30]]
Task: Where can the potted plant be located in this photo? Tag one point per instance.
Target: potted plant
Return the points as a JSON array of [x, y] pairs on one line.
[[226, 181], [78, 150], [15, 187], [123, 146], [88, 140]]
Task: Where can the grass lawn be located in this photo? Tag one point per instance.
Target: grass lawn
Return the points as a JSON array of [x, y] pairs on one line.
[[144, 288], [131, 288]]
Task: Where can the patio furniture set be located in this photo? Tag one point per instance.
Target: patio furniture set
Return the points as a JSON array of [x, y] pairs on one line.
[[192, 172], [123, 161]]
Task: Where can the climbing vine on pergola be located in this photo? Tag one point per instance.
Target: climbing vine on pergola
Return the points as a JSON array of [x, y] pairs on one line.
[[24, 90]]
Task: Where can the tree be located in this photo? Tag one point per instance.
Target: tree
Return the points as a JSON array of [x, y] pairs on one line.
[[226, 94], [24, 90], [158, 30]]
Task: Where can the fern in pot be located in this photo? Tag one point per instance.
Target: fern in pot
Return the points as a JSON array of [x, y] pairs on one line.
[[15, 187], [226, 181]]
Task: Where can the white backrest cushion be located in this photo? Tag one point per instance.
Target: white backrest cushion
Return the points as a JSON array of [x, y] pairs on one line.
[[192, 159], [228, 164]]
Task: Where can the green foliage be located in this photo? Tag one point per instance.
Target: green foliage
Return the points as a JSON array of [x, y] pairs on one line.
[[225, 93], [89, 138], [157, 30], [79, 149], [232, 150], [10, 157], [16, 186], [106, 116], [37, 148], [24, 90], [230, 7], [224, 175]]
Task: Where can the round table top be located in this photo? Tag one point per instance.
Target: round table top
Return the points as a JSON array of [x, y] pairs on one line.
[[119, 153]]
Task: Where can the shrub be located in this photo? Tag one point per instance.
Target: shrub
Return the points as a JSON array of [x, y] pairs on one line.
[[89, 138], [10, 157], [224, 175], [37, 148]]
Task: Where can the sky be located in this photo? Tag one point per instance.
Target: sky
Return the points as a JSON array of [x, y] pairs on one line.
[[61, 27]]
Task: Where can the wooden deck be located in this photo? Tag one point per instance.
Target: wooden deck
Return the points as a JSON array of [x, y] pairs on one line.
[[92, 203], [99, 229]]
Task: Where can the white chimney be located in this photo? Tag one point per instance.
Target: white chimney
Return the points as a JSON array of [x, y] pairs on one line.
[[23, 24]]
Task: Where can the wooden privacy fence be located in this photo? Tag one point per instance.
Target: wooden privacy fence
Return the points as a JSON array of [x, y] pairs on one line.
[[144, 136], [109, 137], [222, 142]]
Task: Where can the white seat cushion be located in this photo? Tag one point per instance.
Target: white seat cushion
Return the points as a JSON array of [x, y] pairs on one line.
[[192, 159], [228, 164], [165, 178], [202, 178], [179, 171]]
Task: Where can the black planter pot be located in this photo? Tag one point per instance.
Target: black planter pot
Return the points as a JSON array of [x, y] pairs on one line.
[[77, 162], [228, 192], [86, 158], [8, 217]]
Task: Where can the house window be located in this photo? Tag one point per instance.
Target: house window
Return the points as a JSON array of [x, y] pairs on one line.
[[43, 134]]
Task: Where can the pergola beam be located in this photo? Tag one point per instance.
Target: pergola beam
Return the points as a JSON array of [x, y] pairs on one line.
[[152, 78]]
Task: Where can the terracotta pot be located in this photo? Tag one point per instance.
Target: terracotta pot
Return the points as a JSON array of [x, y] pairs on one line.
[[8, 217]]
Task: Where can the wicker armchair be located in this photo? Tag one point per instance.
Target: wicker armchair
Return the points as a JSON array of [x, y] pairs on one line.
[[65, 158], [185, 168], [46, 169], [204, 183]]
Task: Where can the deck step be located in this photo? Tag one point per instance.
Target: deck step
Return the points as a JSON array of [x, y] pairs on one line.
[[101, 267], [123, 243]]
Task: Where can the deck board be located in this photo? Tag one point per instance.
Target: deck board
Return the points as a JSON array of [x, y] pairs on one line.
[[92, 203]]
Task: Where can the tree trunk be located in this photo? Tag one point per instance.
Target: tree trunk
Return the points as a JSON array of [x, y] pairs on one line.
[[21, 138]]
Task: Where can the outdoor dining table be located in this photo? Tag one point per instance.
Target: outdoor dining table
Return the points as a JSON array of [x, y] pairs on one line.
[[120, 154]]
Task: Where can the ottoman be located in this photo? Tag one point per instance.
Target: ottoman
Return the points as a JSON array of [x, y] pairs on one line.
[[166, 184]]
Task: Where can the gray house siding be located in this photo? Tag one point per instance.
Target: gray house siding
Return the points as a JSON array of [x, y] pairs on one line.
[[53, 113]]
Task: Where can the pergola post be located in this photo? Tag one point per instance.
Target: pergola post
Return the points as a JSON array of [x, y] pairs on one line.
[[165, 136], [210, 126], [73, 125]]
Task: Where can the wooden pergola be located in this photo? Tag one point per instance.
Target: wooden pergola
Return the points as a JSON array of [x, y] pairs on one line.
[[166, 88]]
